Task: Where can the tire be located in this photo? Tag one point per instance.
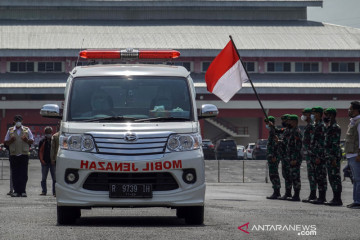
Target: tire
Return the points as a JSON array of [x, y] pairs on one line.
[[194, 215], [67, 215]]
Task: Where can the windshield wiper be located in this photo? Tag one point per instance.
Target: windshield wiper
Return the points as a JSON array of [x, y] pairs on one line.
[[161, 119], [112, 118]]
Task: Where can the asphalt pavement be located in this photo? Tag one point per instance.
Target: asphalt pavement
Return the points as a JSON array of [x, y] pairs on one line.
[[236, 208]]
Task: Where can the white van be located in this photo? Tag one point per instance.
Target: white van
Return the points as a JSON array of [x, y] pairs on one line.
[[129, 137]]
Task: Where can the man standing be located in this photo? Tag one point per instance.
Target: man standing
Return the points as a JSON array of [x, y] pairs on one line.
[[307, 154], [293, 155], [318, 154], [44, 156], [333, 155], [19, 138], [352, 149], [272, 159], [285, 165]]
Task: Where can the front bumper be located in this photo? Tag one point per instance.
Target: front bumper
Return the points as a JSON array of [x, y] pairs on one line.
[[76, 195]]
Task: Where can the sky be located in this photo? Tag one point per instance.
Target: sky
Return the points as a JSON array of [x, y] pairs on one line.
[[339, 12]]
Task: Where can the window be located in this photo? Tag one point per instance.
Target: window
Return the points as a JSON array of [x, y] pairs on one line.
[[142, 97], [250, 66], [342, 67], [205, 66], [50, 67], [278, 67], [81, 63], [21, 66], [306, 67]]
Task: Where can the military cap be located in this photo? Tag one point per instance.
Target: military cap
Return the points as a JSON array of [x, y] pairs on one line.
[[270, 118], [317, 109], [285, 116], [293, 117], [306, 110], [18, 118], [330, 110]]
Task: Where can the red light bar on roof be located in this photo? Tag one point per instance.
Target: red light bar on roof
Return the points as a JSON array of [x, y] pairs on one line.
[[129, 54]]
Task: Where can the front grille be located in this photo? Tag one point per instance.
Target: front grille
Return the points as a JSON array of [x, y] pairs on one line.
[[116, 144], [162, 181]]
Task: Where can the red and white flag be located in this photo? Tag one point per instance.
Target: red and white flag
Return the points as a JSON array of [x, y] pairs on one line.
[[226, 74]]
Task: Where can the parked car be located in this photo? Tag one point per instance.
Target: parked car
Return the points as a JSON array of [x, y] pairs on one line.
[[259, 152], [249, 150], [208, 149], [226, 149], [240, 151]]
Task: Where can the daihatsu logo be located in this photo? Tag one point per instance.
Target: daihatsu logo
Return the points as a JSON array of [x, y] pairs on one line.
[[130, 137]]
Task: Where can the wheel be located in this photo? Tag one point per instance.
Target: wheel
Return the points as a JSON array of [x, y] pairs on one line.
[[194, 215], [67, 215]]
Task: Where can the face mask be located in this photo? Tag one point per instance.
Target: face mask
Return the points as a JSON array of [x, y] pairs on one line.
[[350, 113], [267, 127], [312, 117], [303, 118], [48, 135], [18, 124], [326, 119]]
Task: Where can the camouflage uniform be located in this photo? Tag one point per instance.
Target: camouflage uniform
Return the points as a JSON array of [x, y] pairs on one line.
[[270, 154], [293, 153], [310, 163], [285, 165], [318, 152], [333, 152]]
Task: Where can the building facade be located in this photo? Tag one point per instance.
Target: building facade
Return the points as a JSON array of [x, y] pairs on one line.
[[294, 63]]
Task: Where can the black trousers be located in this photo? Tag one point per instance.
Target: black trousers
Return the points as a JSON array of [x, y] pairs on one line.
[[19, 166]]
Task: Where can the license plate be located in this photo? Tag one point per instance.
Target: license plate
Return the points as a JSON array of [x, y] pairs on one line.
[[130, 190]]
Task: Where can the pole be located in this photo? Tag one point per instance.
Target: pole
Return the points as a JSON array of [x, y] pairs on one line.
[[243, 171], [218, 170], [252, 85], [2, 169]]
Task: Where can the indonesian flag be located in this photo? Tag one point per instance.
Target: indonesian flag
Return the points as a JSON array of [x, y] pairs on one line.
[[226, 74]]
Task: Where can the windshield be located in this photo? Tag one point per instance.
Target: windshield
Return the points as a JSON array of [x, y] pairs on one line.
[[135, 98]]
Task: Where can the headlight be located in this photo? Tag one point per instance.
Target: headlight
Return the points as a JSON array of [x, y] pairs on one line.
[[77, 142], [184, 142]]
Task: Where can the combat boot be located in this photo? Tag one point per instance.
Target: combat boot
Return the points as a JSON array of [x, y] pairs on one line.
[[275, 195], [296, 197], [286, 195], [321, 199], [336, 201], [312, 196]]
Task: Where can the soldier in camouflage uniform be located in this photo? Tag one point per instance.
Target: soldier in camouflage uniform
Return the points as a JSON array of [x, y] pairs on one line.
[[285, 165], [307, 155], [318, 154], [272, 159], [333, 156], [293, 155]]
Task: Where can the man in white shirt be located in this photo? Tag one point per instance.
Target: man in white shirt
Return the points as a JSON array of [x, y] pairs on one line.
[[352, 150], [19, 138]]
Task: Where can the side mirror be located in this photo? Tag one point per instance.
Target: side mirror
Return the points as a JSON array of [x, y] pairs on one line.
[[50, 111], [208, 110]]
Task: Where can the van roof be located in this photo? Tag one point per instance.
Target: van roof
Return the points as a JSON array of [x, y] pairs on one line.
[[129, 70]]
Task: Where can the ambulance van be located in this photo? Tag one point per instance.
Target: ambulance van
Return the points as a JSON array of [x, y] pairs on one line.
[[130, 137]]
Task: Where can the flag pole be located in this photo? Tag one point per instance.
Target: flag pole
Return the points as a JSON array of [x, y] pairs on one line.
[[252, 85]]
